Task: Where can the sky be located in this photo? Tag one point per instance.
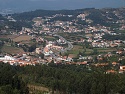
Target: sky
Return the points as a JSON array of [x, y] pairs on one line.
[[26, 5]]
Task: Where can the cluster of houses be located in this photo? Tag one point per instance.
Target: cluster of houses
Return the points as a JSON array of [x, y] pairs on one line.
[[120, 68], [21, 61], [25, 60], [92, 34], [42, 24], [106, 44]]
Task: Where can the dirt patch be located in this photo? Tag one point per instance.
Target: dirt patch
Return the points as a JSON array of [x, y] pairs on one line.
[[22, 38], [8, 36], [11, 50], [34, 89]]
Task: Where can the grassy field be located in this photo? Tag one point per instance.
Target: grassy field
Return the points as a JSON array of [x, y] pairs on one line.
[[16, 38], [106, 49], [49, 38], [88, 51], [28, 42], [76, 49], [11, 50], [8, 36], [22, 38]]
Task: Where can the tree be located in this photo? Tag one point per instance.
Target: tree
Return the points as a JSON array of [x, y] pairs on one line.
[[41, 55]]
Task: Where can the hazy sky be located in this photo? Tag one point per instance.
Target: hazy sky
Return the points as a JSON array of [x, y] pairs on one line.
[[59, 4]]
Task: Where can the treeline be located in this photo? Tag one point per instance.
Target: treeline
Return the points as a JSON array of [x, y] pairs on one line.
[[28, 48], [1, 17], [114, 37], [98, 16], [41, 13], [17, 25], [62, 18], [72, 79], [60, 78], [10, 82]]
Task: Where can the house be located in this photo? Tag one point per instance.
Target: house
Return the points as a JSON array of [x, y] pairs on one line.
[[100, 64], [38, 50], [47, 51], [110, 71], [82, 63], [114, 63], [122, 69], [6, 58]]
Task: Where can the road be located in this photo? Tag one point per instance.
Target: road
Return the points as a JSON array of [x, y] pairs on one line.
[[70, 46]]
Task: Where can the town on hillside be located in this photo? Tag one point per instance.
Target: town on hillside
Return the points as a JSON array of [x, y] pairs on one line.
[[88, 37]]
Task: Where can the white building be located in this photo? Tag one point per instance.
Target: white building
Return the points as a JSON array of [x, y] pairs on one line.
[[7, 58]]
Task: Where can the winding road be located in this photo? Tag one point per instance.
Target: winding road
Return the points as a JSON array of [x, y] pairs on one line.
[[70, 46]]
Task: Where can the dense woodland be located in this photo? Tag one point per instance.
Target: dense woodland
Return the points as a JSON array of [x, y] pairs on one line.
[[10, 82], [114, 37], [64, 79], [42, 13]]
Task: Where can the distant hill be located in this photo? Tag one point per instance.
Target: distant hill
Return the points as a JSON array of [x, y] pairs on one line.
[[41, 13], [98, 16], [106, 17]]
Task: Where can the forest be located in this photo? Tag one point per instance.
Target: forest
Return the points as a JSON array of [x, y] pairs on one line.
[[38, 13], [114, 37], [59, 78], [10, 82]]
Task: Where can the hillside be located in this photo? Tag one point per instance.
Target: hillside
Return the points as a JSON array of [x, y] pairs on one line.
[[97, 16]]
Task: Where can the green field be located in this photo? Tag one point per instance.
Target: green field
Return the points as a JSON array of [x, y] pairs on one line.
[[106, 49], [76, 49], [49, 38]]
